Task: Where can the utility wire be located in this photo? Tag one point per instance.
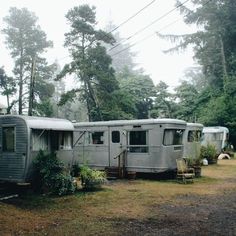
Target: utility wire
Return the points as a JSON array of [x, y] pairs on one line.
[[144, 28], [121, 24], [147, 37], [132, 16], [156, 31]]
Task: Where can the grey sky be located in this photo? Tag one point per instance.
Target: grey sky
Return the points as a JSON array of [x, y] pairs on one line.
[[160, 66]]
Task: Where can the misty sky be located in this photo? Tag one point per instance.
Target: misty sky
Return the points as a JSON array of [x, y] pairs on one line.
[[166, 67]]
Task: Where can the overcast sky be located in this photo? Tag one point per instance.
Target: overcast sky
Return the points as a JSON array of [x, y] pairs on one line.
[[166, 67]]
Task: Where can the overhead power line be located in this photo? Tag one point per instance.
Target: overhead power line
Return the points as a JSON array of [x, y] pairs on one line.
[[147, 37], [147, 26], [130, 18], [123, 23]]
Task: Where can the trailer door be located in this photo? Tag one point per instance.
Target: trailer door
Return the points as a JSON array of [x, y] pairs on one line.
[[117, 145]]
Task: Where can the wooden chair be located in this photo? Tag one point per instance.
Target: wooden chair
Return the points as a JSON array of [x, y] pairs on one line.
[[184, 173]]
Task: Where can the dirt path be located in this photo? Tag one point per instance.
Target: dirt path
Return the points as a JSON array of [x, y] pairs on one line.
[[195, 216], [192, 214]]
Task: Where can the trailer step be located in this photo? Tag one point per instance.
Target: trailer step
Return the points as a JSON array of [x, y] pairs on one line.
[[112, 172]]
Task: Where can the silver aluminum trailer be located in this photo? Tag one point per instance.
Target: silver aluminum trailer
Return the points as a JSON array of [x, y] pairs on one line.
[[192, 140], [150, 145], [217, 136], [21, 138]]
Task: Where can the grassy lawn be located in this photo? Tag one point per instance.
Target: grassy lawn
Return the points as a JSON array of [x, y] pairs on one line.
[[90, 213]]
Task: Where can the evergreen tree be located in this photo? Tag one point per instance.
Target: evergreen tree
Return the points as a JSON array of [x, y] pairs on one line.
[[120, 53], [215, 50], [139, 90], [26, 42], [8, 88], [90, 63], [163, 104]]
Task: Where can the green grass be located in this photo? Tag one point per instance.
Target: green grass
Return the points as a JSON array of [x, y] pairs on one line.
[[98, 212]]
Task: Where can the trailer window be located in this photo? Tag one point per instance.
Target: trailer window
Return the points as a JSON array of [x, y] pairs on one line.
[[39, 139], [194, 136], [8, 134], [138, 141], [98, 138], [115, 136], [65, 140], [173, 137]]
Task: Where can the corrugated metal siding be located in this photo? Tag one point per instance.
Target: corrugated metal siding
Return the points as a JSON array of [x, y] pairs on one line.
[[12, 165]]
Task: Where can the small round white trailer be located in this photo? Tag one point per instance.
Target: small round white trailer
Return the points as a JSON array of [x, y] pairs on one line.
[[217, 136]]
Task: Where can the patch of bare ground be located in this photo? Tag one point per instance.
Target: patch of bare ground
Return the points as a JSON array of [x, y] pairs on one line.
[[211, 210], [189, 215]]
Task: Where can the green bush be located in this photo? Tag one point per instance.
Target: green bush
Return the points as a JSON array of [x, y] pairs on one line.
[[193, 161], [91, 179], [51, 176], [209, 152], [75, 170]]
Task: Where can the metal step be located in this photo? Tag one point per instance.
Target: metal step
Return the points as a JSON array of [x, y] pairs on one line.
[[112, 172]]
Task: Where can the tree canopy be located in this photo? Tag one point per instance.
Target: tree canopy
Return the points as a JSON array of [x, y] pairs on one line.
[[26, 42], [214, 46]]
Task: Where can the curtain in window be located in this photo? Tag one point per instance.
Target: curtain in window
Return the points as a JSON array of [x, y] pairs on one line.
[[65, 140], [168, 137], [39, 140]]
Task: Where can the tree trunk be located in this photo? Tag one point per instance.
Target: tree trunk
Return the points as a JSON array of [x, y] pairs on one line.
[[224, 66], [31, 92], [20, 99]]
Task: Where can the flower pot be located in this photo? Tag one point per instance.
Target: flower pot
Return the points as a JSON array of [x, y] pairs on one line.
[[197, 171], [212, 161]]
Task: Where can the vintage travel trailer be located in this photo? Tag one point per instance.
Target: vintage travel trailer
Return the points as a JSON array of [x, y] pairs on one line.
[[146, 146], [217, 136], [192, 140], [21, 138]]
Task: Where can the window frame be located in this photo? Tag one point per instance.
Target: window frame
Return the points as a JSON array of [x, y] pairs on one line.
[[41, 132], [196, 135], [139, 148], [62, 137], [112, 137], [100, 141], [14, 140], [174, 137]]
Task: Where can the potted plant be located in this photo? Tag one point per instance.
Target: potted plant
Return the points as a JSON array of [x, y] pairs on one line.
[[195, 163], [91, 179], [209, 152], [197, 167]]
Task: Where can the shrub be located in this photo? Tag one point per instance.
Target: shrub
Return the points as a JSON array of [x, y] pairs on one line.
[[194, 161], [91, 179], [50, 175], [209, 152], [75, 170]]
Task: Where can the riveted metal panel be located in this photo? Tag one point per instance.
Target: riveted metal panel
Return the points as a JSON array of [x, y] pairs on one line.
[[12, 164]]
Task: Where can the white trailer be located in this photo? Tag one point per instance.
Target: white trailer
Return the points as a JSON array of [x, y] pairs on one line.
[[21, 138], [217, 136], [192, 140], [147, 146]]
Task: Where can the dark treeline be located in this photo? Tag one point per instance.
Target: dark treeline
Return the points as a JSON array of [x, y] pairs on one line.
[[110, 87]]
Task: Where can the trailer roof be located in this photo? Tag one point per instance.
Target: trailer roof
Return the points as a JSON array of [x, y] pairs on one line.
[[198, 125], [35, 122], [130, 122], [215, 129]]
